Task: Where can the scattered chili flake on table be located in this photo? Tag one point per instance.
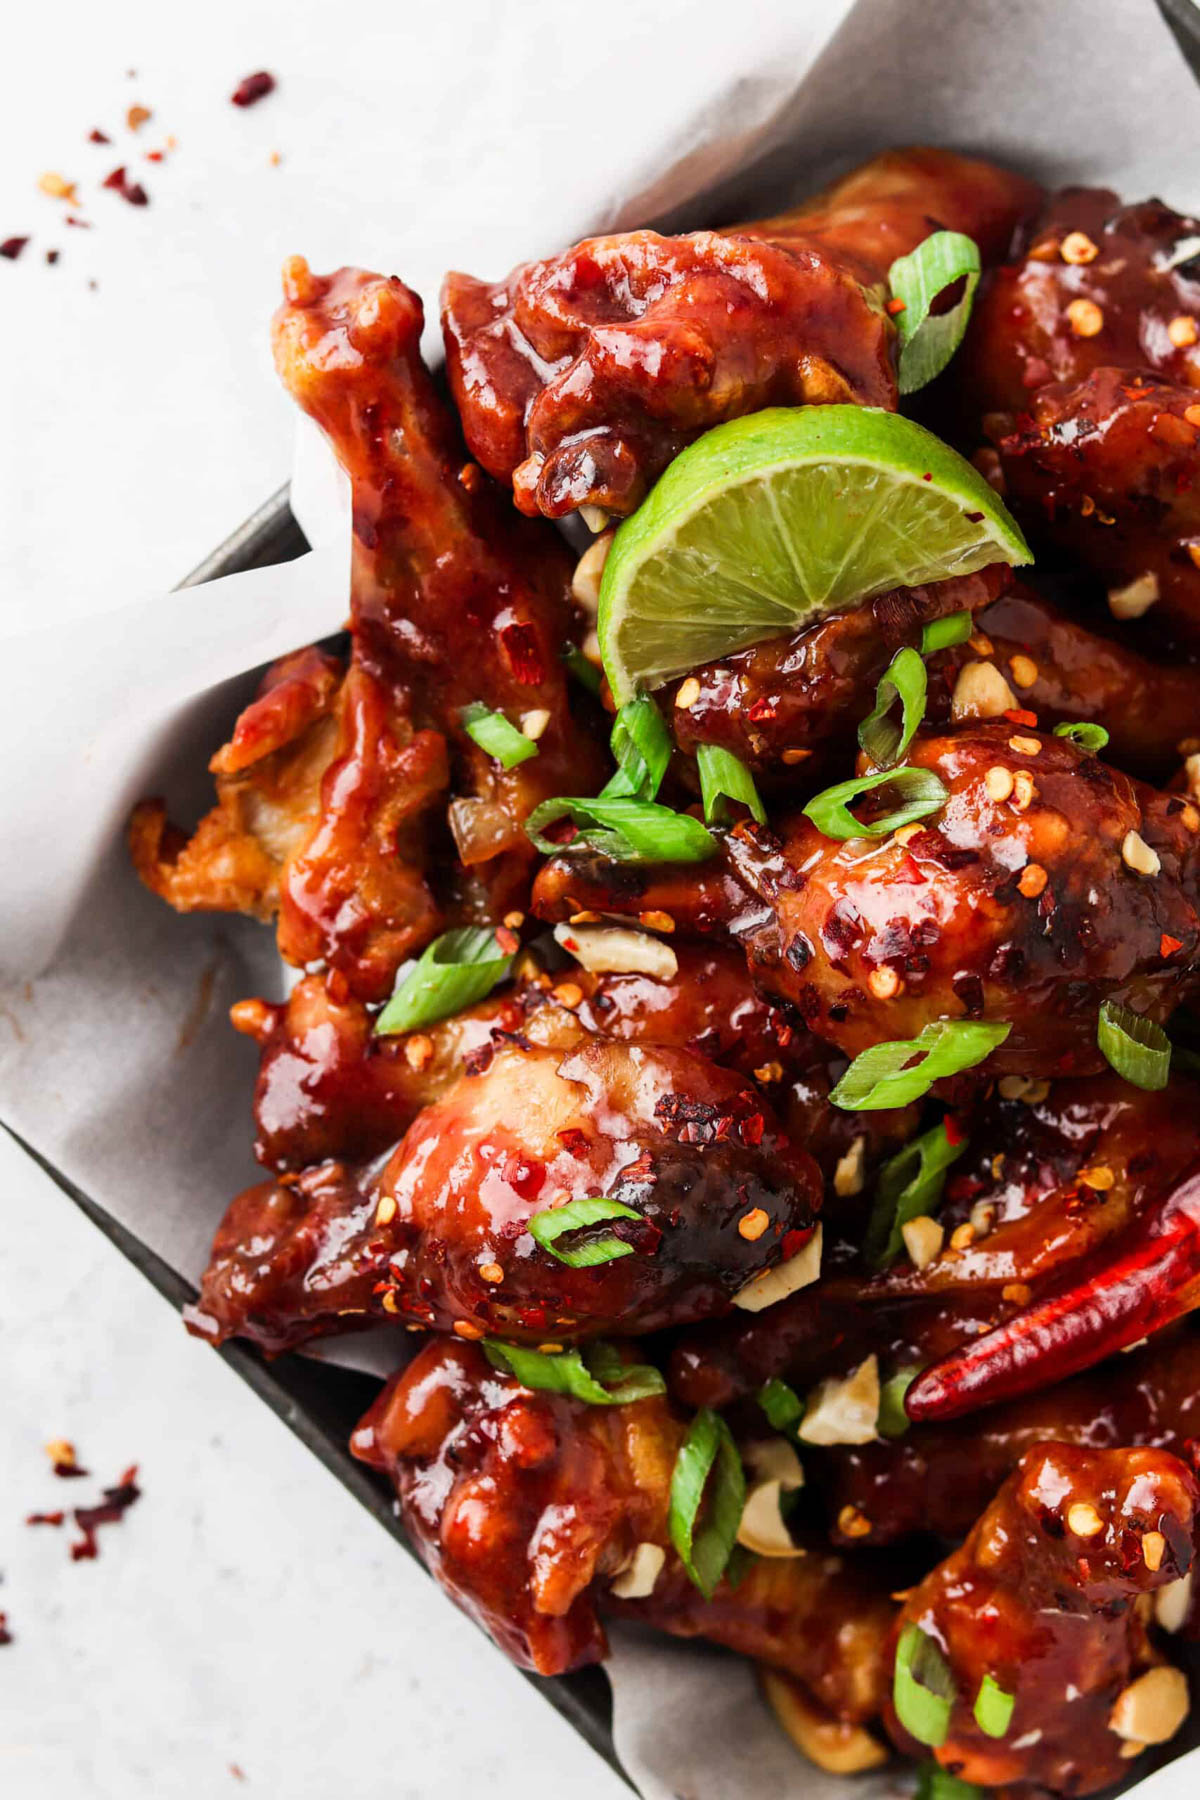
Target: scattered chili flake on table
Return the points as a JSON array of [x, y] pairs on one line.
[[111, 1509], [133, 191], [6, 1636], [96, 136], [12, 247], [45, 1518], [253, 88], [52, 257], [137, 116]]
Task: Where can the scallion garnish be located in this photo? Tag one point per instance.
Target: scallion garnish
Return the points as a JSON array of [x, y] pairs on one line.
[[893, 1420], [882, 1076], [993, 1708], [707, 1478], [927, 339], [923, 1690], [905, 680], [943, 634], [909, 1184], [1085, 734], [548, 1227], [1137, 1048], [724, 777], [595, 1373], [586, 673], [781, 1403], [936, 1783], [495, 734], [918, 791], [454, 971], [641, 745], [624, 829]]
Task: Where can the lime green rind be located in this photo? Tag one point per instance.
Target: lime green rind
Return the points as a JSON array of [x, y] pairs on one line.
[[718, 535]]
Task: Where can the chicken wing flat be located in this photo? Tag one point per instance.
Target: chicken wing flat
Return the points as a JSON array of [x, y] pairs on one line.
[[580, 377]]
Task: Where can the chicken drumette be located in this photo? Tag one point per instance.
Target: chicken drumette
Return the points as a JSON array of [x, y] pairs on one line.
[[580, 377], [336, 789]]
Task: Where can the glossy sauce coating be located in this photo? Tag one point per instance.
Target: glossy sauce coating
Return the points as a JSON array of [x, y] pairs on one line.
[[1049, 1612], [525, 1505], [578, 378], [439, 1235]]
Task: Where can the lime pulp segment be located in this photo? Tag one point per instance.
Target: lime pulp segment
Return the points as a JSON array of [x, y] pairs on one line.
[[768, 522]]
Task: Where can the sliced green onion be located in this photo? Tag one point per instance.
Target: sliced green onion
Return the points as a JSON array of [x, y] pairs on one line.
[[493, 733], [1086, 735], [909, 1184], [547, 1227], [905, 680], [936, 1783], [781, 1403], [943, 634], [923, 1691], [641, 745], [586, 673], [918, 790], [1136, 1047], [625, 829], [456, 970], [881, 1077], [993, 1708], [928, 340], [893, 1421], [725, 777], [595, 1374], [707, 1451]]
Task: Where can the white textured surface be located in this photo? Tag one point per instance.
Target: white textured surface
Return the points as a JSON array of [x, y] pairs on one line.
[[246, 1611]]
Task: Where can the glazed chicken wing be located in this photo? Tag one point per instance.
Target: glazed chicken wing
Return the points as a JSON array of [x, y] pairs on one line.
[[1048, 883], [331, 795], [579, 378], [528, 1506], [1082, 366], [715, 1195], [1043, 1599]]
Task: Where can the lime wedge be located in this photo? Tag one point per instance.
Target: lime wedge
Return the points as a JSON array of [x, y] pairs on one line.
[[766, 523]]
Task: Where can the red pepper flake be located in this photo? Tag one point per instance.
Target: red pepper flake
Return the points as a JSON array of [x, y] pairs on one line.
[[762, 709], [112, 1508], [133, 191], [98, 137], [793, 1242], [1167, 945], [751, 1129], [52, 257], [12, 247], [910, 870], [954, 1129], [5, 1634], [63, 1459], [507, 940], [1017, 716], [574, 1141], [45, 1518], [520, 644], [154, 156], [253, 88], [895, 306], [83, 224]]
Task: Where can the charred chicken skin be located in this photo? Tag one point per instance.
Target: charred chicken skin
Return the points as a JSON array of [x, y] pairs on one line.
[[715, 1192], [580, 377]]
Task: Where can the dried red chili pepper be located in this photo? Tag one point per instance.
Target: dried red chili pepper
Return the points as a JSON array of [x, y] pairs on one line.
[[253, 88]]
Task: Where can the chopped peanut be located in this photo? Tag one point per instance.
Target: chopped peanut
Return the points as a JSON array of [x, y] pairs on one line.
[[1137, 855]]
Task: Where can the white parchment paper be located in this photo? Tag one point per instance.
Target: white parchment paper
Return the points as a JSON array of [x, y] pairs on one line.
[[116, 1059]]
